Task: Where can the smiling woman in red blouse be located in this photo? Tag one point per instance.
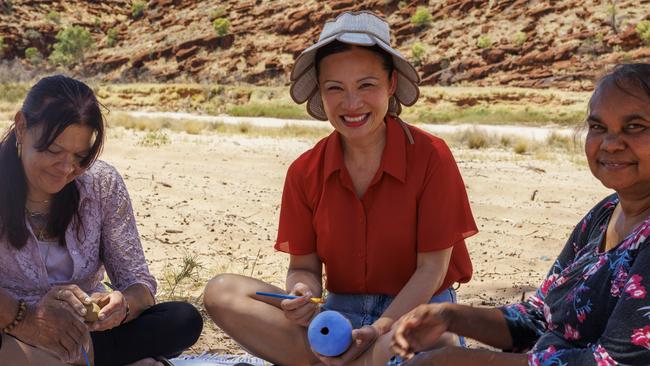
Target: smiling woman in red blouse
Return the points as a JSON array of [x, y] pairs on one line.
[[379, 204]]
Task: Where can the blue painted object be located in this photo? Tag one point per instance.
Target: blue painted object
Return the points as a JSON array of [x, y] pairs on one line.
[[330, 333]]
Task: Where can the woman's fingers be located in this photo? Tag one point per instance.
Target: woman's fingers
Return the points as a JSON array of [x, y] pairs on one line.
[[300, 289], [74, 297], [300, 310]]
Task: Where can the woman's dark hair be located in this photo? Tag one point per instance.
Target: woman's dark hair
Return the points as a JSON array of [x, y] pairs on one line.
[[338, 47], [629, 78], [53, 104]]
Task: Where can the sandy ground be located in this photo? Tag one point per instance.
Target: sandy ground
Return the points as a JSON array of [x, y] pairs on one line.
[[217, 197]]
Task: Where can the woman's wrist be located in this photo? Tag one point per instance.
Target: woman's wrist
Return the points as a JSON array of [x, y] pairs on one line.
[[383, 325], [127, 312], [20, 314], [449, 313], [23, 328]]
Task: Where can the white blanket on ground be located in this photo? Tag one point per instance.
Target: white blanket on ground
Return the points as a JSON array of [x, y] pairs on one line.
[[206, 359]]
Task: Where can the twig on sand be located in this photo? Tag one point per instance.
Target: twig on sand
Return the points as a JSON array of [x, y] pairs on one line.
[[532, 198], [251, 215], [255, 262], [535, 169], [165, 240]]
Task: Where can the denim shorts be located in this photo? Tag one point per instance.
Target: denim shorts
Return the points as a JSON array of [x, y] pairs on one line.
[[366, 309]]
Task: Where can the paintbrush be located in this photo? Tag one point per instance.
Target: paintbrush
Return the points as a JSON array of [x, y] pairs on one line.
[[315, 300]]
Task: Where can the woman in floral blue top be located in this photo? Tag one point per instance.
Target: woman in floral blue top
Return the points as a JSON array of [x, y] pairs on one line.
[[593, 308]]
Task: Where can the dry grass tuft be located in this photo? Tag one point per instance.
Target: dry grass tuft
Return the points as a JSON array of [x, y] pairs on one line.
[[154, 139]]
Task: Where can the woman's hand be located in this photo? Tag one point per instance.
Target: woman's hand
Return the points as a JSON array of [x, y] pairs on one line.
[[113, 310], [362, 339], [301, 310], [56, 323], [420, 329]]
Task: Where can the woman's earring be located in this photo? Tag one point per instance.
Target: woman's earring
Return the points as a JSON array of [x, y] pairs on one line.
[[19, 148]]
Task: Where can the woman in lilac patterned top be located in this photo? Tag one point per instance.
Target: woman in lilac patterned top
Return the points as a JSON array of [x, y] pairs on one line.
[[593, 308], [65, 221]]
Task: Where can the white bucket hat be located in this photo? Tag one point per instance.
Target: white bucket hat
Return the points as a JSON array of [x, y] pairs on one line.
[[360, 29]]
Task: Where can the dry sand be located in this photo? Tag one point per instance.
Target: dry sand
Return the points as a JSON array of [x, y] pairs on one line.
[[217, 198]]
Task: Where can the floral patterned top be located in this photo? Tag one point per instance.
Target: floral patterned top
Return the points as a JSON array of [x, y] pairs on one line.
[[593, 307], [108, 241]]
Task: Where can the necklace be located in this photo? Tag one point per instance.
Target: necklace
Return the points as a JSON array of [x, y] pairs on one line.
[[39, 221], [36, 201]]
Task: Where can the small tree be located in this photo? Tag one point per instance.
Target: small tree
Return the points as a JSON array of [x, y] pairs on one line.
[[71, 45], [2, 46], [7, 6], [137, 9], [53, 17], [643, 30], [111, 37], [611, 11], [418, 51], [484, 42], [221, 26], [33, 56], [421, 17]]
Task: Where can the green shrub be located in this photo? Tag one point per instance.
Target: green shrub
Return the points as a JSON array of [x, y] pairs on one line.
[[600, 37], [643, 29], [33, 56], [2, 46], [7, 6], [221, 26], [111, 37], [519, 39], [422, 17], [137, 9], [154, 139], [71, 45], [53, 17], [418, 52], [484, 42], [32, 34]]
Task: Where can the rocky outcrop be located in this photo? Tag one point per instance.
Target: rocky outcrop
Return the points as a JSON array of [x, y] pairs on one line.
[[530, 43]]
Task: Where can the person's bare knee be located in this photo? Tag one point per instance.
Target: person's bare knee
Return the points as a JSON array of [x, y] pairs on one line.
[[222, 291]]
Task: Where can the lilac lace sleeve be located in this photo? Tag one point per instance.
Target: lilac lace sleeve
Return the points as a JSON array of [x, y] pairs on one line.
[[121, 250]]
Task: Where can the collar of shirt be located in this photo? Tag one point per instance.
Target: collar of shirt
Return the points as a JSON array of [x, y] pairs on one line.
[[393, 159]]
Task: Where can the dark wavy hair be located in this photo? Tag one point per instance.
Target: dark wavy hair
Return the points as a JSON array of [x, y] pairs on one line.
[[629, 78], [52, 104]]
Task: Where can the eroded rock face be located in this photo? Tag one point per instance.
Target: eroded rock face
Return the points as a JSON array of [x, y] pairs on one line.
[[511, 42]]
